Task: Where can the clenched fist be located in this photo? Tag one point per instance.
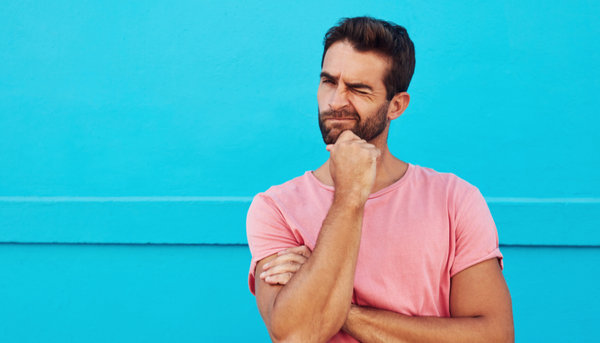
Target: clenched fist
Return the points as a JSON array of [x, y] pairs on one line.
[[353, 165]]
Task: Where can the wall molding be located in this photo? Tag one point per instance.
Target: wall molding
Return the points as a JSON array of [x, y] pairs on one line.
[[222, 220], [498, 200], [125, 199]]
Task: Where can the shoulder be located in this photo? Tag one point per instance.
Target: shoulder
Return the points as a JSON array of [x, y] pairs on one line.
[[287, 195], [450, 184], [268, 216], [290, 188], [284, 192]]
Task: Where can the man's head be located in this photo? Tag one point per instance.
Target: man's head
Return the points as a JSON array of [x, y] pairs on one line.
[[366, 69]]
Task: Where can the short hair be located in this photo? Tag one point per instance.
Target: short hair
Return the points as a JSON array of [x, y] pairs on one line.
[[383, 37]]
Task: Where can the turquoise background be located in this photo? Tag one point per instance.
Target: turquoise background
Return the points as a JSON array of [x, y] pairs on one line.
[[134, 134]]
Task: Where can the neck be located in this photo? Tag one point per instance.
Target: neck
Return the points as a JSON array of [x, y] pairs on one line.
[[389, 168]]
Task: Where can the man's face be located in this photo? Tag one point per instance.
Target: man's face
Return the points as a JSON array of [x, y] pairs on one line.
[[351, 93]]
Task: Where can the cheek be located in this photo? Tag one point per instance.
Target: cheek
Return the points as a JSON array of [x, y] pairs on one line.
[[362, 111], [322, 97]]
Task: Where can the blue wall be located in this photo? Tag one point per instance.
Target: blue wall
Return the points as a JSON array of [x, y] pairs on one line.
[[134, 134]]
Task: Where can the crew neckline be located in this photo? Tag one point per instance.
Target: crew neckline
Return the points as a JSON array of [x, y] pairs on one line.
[[407, 175]]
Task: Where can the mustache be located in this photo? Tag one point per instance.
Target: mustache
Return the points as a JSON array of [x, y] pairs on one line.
[[339, 114]]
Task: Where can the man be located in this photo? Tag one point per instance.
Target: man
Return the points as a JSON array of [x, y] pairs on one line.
[[368, 247]]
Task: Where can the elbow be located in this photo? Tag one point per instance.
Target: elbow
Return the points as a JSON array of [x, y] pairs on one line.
[[299, 338], [285, 325], [279, 336], [494, 330], [300, 334], [506, 338], [509, 336], [282, 330], [291, 339], [278, 339], [505, 334], [508, 333]]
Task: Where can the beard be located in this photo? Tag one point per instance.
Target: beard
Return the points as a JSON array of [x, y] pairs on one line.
[[367, 129]]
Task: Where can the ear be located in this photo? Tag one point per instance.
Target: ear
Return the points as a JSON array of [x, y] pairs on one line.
[[398, 104]]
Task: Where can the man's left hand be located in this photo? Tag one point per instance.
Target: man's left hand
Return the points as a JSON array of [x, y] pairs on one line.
[[281, 269]]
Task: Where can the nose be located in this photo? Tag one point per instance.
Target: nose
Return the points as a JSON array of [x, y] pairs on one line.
[[339, 99]]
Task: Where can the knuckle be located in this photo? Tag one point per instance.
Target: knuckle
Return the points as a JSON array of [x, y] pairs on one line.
[[279, 260], [301, 258]]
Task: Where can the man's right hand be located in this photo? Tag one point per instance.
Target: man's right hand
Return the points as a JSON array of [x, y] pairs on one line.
[[353, 165], [313, 305]]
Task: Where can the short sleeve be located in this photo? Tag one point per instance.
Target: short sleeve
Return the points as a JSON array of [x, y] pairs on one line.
[[476, 235], [267, 231]]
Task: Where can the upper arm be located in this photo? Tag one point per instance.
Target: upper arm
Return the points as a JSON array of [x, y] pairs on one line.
[[267, 232], [476, 236], [265, 293], [481, 291]]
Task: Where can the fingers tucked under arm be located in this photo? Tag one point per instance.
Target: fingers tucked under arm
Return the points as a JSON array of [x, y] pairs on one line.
[[291, 257], [289, 267], [281, 279], [301, 250]]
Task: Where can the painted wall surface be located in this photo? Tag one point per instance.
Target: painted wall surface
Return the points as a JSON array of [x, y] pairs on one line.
[[133, 135]]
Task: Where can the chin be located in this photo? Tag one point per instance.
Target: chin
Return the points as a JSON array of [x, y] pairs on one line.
[[332, 135], [333, 131]]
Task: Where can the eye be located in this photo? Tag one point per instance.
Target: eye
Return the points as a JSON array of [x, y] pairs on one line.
[[327, 81]]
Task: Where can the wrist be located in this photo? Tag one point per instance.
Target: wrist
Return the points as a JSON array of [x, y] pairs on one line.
[[350, 318], [352, 198]]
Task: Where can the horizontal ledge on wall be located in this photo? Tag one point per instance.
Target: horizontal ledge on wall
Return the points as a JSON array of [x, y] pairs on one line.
[[127, 199], [221, 220], [569, 223], [130, 244], [490, 200], [246, 245], [195, 222], [494, 200]]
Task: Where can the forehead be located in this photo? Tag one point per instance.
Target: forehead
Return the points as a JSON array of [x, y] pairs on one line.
[[342, 60]]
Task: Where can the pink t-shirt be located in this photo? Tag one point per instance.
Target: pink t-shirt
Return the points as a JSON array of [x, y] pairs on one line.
[[417, 233]]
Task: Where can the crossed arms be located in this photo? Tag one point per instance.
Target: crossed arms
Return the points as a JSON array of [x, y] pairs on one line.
[[479, 300], [314, 304]]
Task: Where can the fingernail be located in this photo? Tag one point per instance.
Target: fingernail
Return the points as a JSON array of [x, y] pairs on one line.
[[262, 274], [268, 278], [266, 265]]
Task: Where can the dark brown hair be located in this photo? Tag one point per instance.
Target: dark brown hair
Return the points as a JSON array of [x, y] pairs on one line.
[[386, 38]]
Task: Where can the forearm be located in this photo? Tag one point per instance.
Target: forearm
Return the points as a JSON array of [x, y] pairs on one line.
[[315, 303], [375, 325]]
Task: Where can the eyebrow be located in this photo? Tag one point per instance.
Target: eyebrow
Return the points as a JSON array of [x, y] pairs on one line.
[[355, 85]]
